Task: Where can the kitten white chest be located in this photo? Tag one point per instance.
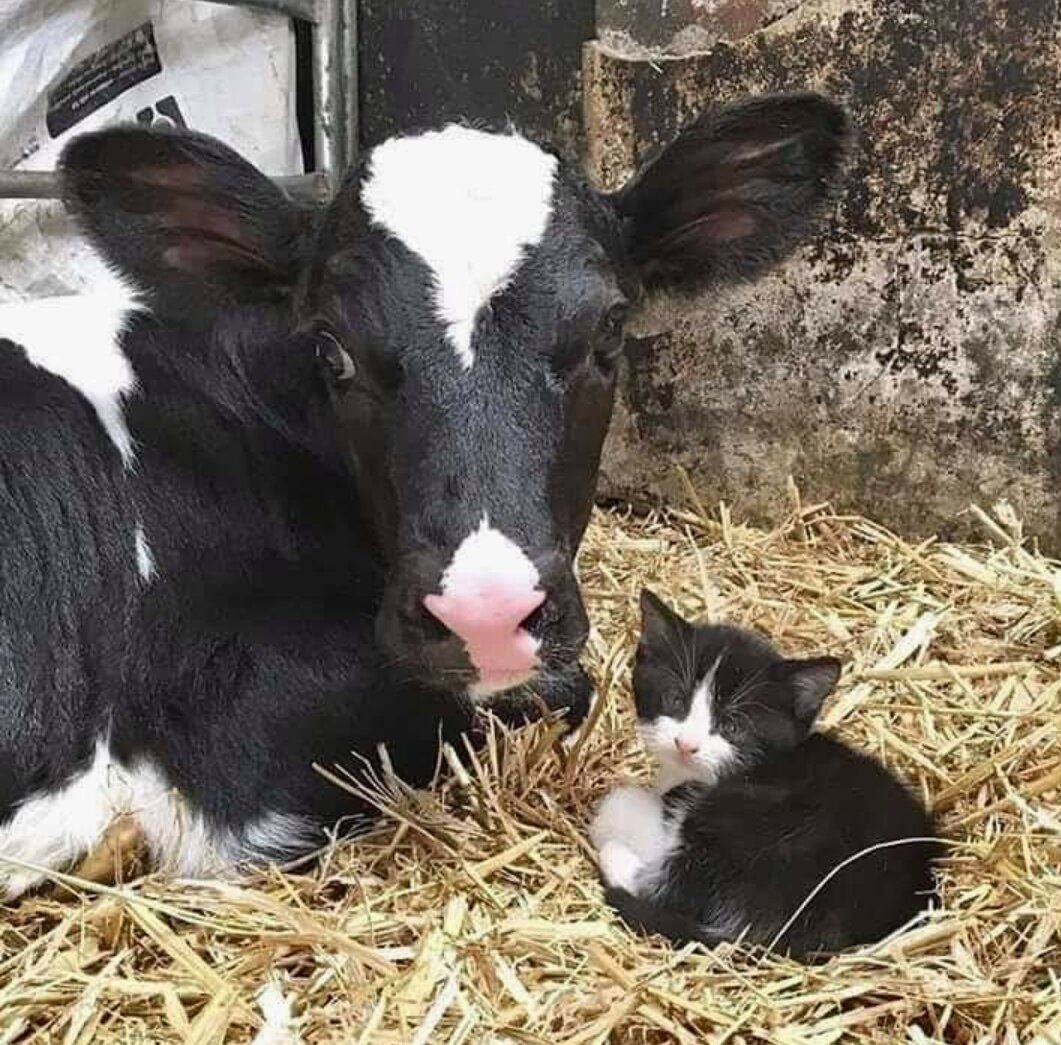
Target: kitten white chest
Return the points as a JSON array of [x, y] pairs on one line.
[[634, 836]]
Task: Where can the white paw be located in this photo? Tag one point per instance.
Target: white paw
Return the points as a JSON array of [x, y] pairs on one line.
[[610, 823], [619, 866], [635, 817]]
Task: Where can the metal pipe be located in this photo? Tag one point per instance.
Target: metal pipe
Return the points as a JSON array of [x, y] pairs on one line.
[[305, 10], [45, 185], [349, 72], [328, 115]]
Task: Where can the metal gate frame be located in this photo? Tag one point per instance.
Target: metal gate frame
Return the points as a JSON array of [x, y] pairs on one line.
[[333, 25]]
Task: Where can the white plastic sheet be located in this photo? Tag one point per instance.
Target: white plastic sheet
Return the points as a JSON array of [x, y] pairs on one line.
[[69, 66]]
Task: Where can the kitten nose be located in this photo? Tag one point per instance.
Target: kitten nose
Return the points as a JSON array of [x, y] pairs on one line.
[[686, 747]]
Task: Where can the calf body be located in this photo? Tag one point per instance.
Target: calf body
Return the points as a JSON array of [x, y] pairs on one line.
[[186, 604], [285, 486]]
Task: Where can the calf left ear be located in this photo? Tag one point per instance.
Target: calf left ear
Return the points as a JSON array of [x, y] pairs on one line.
[[811, 681], [736, 192], [188, 220]]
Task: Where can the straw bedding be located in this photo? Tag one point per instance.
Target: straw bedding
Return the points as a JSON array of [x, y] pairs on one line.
[[473, 913]]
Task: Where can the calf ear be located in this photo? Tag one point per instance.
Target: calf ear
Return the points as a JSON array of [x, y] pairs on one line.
[[736, 191], [184, 217]]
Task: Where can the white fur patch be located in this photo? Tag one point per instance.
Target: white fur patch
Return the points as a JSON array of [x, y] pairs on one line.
[[145, 558], [469, 204], [183, 844], [279, 1025], [54, 829], [76, 338], [620, 866], [713, 752], [633, 837], [487, 557]]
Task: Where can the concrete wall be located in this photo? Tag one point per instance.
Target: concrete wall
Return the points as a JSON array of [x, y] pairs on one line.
[[908, 363], [423, 62]]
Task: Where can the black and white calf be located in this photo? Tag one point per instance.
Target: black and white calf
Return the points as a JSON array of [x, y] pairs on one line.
[[286, 485]]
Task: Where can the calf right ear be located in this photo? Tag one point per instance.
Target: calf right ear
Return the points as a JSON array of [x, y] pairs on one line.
[[735, 192], [185, 218]]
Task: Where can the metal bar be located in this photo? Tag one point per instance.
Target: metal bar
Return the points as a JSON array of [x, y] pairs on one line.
[[350, 76], [305, 10], [329, 116], [45, 185]]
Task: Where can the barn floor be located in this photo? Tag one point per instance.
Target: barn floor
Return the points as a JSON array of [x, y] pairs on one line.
[[473, 914]]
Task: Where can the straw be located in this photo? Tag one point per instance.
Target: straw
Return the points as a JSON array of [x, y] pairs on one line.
[[473, 913]]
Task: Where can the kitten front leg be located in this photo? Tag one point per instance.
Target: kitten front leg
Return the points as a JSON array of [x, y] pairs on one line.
[[630, 835], [635, 817], [619, 866]]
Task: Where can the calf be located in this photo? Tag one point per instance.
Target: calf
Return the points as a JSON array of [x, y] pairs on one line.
[[288, 485]]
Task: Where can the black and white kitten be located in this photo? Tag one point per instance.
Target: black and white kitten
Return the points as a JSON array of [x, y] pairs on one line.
[[752, 812]]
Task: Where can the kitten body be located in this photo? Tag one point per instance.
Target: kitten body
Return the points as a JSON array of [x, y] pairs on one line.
[[752, 813]]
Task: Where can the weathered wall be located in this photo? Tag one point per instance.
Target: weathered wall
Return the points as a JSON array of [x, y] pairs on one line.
[[422, 62], [908, 363]]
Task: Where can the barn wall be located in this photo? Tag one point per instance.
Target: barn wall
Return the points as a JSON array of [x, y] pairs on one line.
[[423, 62], [908, 363]]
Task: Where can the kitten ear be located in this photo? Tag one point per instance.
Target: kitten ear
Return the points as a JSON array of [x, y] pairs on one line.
[[658, 620], [811, 681]]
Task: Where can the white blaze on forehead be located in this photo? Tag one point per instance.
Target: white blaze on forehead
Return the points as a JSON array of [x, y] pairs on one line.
[[699, 723], [468, 203], [76, 338], [486, 557]]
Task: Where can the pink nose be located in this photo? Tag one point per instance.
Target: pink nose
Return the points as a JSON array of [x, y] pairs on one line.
[[488, 618], [686, 748]]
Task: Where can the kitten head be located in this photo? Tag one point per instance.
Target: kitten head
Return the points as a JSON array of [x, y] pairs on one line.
[[713, 698]]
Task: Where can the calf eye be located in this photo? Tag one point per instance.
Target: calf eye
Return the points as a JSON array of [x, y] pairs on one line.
[[337, 363], [613, 321], [609, 340]]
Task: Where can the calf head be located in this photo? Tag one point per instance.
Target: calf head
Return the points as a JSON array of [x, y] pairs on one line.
[[466, 296]]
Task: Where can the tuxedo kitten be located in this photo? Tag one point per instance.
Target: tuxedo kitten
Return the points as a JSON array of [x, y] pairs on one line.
[[753, 813]]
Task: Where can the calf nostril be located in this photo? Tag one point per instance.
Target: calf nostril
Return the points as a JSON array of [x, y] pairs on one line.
[[418, 617], [547, 614], [478, 613], [433, 629]]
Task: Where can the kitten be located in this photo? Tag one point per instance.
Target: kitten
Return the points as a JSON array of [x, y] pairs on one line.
[[752, 811]]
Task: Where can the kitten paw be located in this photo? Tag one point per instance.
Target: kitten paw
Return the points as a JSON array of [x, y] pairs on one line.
[[635, 818], [619, 866]]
